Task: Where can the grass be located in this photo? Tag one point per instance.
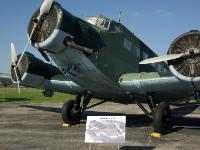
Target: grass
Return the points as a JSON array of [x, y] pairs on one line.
[[29, 95]]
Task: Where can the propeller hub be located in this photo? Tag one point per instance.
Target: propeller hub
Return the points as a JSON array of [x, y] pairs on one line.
[[20, 69]]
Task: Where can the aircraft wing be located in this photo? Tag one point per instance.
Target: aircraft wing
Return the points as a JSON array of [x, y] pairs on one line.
[[5, 79], [163, 85], [56, 83], [35, 73]]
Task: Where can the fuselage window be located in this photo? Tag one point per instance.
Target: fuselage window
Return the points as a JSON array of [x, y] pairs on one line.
[[138, 51], [132, 47], [159, 67], [127, 44], [154, 66], [145, 56]]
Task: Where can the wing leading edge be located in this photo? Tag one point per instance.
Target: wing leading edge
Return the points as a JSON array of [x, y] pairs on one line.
[[58, 84]]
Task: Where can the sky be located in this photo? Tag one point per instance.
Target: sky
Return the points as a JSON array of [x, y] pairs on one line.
[[156, 22]]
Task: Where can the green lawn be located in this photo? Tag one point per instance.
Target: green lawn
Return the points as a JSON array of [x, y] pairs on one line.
[[29, 95]]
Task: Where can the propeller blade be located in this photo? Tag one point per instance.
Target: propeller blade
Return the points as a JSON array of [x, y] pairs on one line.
[[161, 58], [46, 6], [25, 49], [13, 54], [14, 60], [18, 87]]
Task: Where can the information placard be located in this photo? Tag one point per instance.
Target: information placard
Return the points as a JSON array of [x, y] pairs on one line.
[[105, 129]]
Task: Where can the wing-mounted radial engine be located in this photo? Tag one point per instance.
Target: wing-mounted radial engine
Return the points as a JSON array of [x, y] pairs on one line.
[[184, 62], [183, 57], [33, 72], [187, 67]]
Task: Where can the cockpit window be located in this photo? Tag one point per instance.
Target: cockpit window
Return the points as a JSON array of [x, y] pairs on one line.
[[102, 22], [92, 20], [115, 27]]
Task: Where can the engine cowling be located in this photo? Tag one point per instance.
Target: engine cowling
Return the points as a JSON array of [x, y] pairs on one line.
[[186, 68], [33, 72]]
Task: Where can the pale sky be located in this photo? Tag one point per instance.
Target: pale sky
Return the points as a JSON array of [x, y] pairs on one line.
[[156, 22]]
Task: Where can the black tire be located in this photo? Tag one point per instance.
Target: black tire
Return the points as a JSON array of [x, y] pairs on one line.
[[69, 116], [161, 119]]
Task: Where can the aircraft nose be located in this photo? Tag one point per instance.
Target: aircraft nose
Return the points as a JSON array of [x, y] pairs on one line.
[[48, 32]]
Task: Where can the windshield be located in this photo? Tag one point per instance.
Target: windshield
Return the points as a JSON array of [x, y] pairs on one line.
[[102, 22], [99, 21], [91, 20]]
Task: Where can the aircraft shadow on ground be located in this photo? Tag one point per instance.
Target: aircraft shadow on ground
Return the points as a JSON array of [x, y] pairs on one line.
[[44, 108], [14, 99], [179, 119], [184, 110], [134, 120], [136, 148]]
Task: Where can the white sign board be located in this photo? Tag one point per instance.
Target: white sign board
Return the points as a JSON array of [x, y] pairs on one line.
[[105, 129]]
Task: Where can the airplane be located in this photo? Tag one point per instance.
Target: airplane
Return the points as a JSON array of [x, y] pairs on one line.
[[6, 80], [97, 57]]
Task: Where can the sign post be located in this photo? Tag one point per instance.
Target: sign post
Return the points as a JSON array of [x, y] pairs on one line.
[[105, 129]]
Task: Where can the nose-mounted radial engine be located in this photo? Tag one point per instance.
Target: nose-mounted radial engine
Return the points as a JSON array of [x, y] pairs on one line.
[[59, 27]]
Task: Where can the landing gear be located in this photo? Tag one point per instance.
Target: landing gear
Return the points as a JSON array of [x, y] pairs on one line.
[[160, 114], [69, 115], [161, 118], [150, 101], [72, 110], [48, 93]]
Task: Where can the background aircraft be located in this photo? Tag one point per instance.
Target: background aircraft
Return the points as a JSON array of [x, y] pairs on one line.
[[6, 80], [99, 57]]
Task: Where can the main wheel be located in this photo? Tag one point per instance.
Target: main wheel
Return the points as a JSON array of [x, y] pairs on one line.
[[161, 120], [69, 115]]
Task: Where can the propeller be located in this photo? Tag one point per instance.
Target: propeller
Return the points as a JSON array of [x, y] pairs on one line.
[[13, 54], [188, 54], [161, 58], [44, 9], [14, 61]]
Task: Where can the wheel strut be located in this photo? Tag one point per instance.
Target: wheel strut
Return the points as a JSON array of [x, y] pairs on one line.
[[86, 100], [77, 104], [151, 102]]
